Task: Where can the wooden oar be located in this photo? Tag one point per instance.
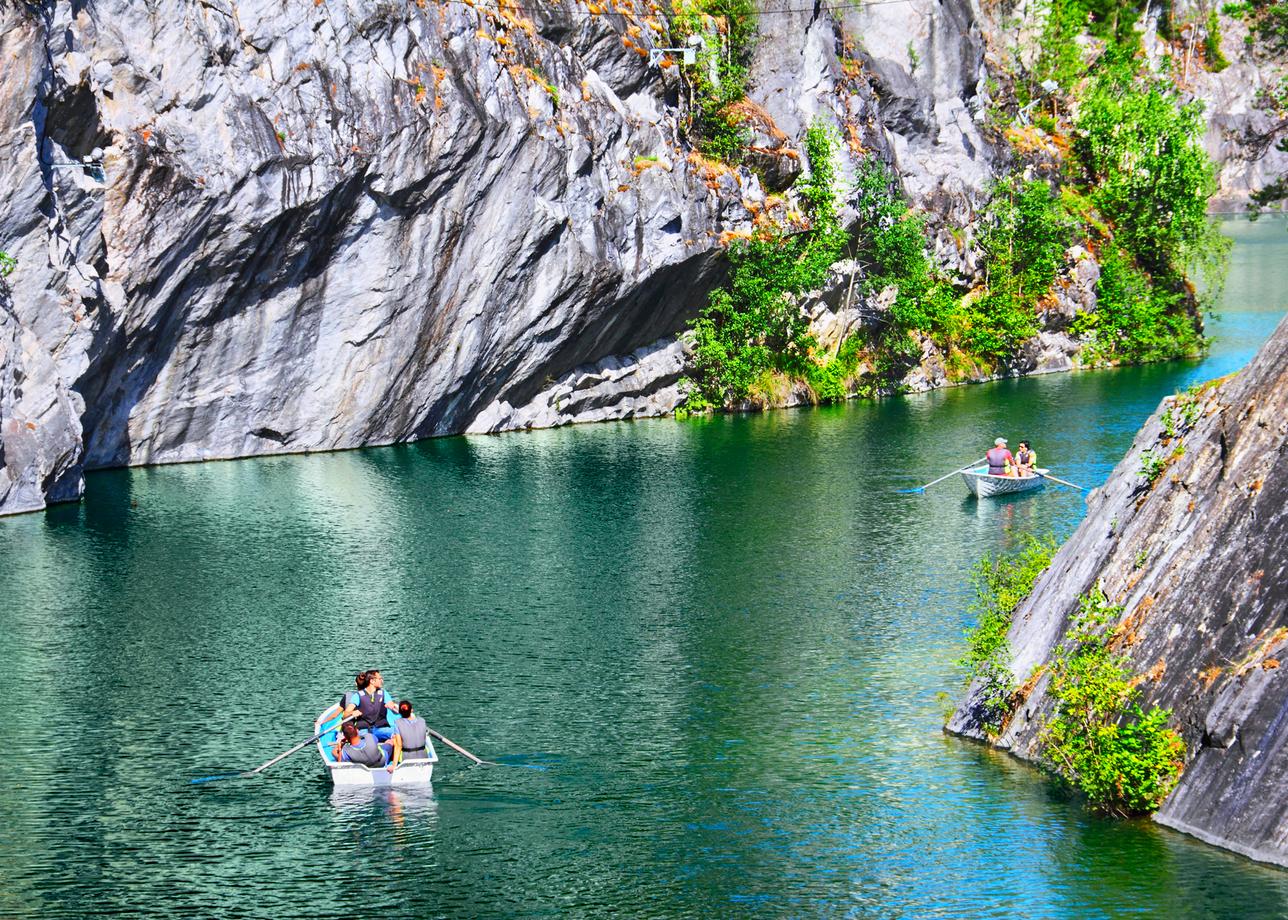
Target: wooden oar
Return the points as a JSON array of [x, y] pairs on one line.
[[460, 750], [1072, 485], [279, 758], [942, 478]]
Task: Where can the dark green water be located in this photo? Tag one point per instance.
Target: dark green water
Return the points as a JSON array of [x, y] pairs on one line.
[[723, 642]]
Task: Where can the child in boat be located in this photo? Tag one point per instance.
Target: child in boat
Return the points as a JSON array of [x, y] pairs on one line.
[[1025, 459]]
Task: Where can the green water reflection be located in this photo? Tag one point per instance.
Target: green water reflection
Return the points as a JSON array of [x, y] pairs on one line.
[[722, 641]]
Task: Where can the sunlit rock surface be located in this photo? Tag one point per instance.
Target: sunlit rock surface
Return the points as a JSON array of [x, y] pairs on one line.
[[40, 433], [1199, 561], [266, 226]]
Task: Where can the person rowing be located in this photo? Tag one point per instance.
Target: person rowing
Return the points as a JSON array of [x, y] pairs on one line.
[[372, 704], [1000, 460]]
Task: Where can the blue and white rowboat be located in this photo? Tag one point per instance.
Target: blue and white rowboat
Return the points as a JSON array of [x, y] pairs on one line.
[[407, 773], [984, 485]]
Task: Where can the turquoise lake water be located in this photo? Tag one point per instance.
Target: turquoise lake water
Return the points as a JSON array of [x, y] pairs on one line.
[[723, 644]]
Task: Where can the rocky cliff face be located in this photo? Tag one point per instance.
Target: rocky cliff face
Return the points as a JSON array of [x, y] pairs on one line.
[[1245, 110], [40, 432], [1199, 561], [269, 226]]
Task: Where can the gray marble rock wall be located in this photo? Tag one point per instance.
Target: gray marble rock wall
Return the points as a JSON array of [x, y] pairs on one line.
[[269, 226], [349, 222], [40, 433], [1199, 561]]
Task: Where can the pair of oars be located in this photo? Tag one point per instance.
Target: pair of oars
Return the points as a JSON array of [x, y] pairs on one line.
[[307, 741], [975, 463]]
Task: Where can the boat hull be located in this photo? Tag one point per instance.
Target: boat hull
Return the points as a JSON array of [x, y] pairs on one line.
[[352, 775], [982, 485]]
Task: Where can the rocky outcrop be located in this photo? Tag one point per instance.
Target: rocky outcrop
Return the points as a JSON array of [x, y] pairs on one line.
[[643, 384], [1245, 109], [1198, 559], [40, 433], [260, 227], [343, 223]]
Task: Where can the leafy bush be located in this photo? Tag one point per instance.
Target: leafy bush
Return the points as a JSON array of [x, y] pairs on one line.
[[1099, 739], [892, 248], [1136, 319], [755, 324], [1149, 174], [1001, 583], [1025, 234], [829, 378], [7, 264], [1141, 156]]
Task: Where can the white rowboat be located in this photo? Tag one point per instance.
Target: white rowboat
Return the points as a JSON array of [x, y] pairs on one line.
[[983, 485], [407, 773]]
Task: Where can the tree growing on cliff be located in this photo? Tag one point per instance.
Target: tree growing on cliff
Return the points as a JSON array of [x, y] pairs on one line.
[[755, 323]]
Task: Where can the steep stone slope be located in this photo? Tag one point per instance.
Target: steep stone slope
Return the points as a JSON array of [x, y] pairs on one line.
[[1199, 561], [40, 433], [338, 223]]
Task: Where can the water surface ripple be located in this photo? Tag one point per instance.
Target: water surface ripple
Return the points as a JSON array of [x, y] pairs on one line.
[[722, 641]]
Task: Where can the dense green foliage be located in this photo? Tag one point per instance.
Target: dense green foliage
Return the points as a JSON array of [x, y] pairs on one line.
[[1143, 157], [1129, 175], [1135, 320], [1001, 583], [1138, 153], [755, 324], [1099, 739], [728, 30], [1025, 234], [7, 264], [892, 249]]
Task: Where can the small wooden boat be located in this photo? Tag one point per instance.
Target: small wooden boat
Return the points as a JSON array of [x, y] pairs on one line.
[[407, 773], [983, 485]]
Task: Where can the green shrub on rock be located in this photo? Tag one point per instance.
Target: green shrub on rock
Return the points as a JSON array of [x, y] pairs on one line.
[[1099, 739], [1001, 583], [755, 324]]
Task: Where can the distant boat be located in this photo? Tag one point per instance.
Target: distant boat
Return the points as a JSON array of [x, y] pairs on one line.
[[984, 485], [407, 773]]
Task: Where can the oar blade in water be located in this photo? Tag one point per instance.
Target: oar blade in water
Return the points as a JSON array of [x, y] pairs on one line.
[[211, 779]]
